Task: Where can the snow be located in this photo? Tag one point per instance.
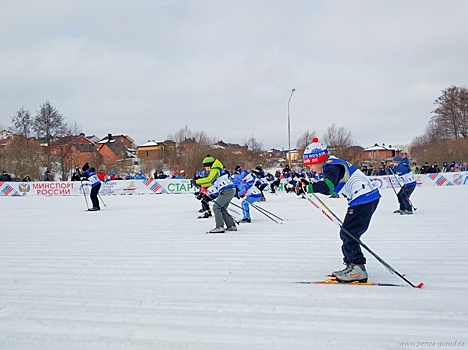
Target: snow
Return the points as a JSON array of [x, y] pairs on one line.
[[142, 274]]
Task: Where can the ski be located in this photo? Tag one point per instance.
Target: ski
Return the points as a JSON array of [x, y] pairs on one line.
[[335, 281]]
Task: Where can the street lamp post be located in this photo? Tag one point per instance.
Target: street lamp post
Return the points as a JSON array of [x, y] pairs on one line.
[[289, 131]]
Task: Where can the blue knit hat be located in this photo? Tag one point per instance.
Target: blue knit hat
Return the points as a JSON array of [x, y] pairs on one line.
[[397, 159]]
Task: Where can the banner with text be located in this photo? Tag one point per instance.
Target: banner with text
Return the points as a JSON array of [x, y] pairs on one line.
[[175, 186]]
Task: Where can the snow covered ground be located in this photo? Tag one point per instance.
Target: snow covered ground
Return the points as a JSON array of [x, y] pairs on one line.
[[142, 274]]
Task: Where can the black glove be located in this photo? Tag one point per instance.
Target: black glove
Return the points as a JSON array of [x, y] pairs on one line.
[[85, 167], [298, 189], [303, 184]]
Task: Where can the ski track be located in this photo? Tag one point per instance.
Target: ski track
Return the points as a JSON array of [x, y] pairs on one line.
[[142, 274]]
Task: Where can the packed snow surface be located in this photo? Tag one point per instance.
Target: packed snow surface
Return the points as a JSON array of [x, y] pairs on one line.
[[143, 274]]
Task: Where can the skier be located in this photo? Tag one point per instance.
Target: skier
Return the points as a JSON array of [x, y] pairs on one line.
[[89, 174], [219, 178], [363, 198], [206, 195], [260, 181], [274, 180], [250, 194], [407, 181]]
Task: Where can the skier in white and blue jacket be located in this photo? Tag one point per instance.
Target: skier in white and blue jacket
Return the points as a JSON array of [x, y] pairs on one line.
[[250, 194], [407, 181], [346, 180], [89, 174]]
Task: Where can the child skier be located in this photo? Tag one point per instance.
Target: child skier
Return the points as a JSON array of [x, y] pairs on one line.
[[206, 195], [89, 174], [407, 181], [250, 194], [219, 178], [345, 179]]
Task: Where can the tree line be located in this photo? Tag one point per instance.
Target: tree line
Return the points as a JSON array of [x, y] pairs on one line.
[[445, 139]]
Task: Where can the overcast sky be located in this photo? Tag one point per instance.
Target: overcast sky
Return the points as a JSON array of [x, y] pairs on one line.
[[149, 68]]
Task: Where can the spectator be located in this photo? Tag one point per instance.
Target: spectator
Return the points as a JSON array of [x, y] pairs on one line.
[[381, 171], [102, 175], [434, 168], [5, 176], [414, 168], [452, 166], [425, 169], [140, 176], [27, 178], [75, 177], [445, 167]]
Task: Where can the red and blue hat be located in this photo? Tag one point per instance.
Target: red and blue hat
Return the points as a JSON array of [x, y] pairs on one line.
[[315, 153]]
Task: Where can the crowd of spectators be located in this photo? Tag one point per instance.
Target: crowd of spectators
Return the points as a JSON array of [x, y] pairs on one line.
[[370, 170]]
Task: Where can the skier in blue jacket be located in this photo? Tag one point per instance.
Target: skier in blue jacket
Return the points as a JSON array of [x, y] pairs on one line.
[[401, 170], [89, 174], [346, 180]]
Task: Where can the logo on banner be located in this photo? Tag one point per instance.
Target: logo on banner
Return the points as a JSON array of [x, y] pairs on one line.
[[24, 188], [457, 179], [130, 189]]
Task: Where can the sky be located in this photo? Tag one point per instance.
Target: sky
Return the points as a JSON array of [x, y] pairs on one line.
[[142, 274], [147, 69]]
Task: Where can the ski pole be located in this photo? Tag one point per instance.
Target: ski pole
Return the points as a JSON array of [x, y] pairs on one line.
[[268, 216], [333, 217], [84, 194], [102, 200], [259, 207]]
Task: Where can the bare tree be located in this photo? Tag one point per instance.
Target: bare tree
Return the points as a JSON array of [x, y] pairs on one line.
[[189, 159], [305, 140], [21, 123], [338, 139], [451, 114], [48, 125], [253, 144], [63, 152], [24, 157], [23, 152]]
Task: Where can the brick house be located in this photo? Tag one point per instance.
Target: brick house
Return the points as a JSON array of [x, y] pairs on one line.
[[74, 151], [117, 149]]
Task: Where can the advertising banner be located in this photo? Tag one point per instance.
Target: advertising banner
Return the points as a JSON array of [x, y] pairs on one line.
[[177, 186]]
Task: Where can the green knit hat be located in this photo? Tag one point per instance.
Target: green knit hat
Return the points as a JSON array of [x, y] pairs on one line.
[[208, 161]]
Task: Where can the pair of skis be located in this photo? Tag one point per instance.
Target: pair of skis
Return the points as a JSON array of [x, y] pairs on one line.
[[332, 280]]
